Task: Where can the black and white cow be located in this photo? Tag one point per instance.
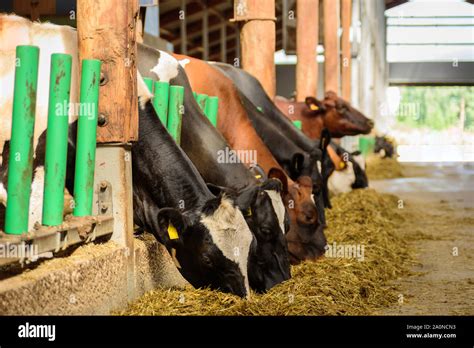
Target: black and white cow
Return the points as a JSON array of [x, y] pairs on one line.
[[213, 239], [252, 91], [259, 200], [352, 176]]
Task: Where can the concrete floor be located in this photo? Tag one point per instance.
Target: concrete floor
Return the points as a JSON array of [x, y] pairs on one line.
[[439, 207]]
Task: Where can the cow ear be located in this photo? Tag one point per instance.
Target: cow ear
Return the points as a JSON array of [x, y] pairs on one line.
[[330, 99], [172, 226], [356, 153], [314, 105], [217, 190], [246, 197], [258, 172], [272, 184], [297, 163], [277, 173]]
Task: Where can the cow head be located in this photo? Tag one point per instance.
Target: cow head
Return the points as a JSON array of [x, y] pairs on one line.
[[209, 242], [339, 116], [384, 147], [349, 171], [267, 218], [210, 246], [306, 240]]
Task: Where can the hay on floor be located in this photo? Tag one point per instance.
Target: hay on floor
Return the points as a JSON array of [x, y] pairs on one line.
[[331, 286], [378, 168]]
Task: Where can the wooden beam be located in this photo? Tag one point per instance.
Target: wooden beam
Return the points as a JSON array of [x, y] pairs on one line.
[[34, 9], [205, 34], [193, 8], [99, 38], [346, 61], [307, 26], [223, 43], [331, 47], [257, 38], [194, 29]]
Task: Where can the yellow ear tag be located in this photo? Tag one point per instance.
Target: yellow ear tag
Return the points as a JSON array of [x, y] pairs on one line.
[[249, 212], [172, 232], [258, 176], [342, 165], [313, 107]]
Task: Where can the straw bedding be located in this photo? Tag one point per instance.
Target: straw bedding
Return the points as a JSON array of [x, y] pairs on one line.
[[331, 286]]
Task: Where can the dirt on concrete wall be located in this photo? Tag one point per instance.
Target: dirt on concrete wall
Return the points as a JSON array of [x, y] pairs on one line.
[[93, 280]]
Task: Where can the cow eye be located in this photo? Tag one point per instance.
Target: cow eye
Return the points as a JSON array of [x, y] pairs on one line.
[[206, 260]]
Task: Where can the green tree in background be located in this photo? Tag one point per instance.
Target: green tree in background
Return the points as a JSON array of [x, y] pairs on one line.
[[436, 107]]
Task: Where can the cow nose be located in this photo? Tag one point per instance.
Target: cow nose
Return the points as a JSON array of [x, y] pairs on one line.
[[370, 123], [309, 217]]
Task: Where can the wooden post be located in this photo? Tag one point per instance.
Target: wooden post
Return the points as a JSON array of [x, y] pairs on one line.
[[346, 63], [331, 49], [257, 37], [307, 18], [223, 43], [107, 31]]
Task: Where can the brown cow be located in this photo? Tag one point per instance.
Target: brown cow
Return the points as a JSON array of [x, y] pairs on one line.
[[332, 113], [306, 240]]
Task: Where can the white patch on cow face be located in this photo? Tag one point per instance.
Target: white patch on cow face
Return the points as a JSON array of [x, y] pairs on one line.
[[278, 207], [340, 181], [230, 233], [184, 62], [319, 166], [360, 161], [3, 195], [144, 94], [166, 68]]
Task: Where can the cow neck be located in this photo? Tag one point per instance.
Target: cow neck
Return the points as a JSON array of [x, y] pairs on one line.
[[202, 142], [233, 122], [281, 147], [253, 90], [163, 168]]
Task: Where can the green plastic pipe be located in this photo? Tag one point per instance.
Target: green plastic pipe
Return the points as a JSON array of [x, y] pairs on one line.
[[149, 83], [20, 164], [195, 95], [366, 145], [86, 137], [298, 124], [160, 100], [56, 139], [201, 100], [212, 105], [175, 115]]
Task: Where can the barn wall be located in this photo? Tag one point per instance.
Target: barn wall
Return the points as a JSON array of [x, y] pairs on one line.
[[369, 66]]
